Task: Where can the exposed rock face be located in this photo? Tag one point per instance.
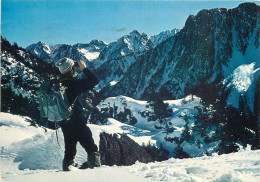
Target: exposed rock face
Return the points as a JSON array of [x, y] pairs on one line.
[[205, 50], [121, 150]]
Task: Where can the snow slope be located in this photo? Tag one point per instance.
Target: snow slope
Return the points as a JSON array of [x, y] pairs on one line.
[[27, 147], [32, 154], [182, 110], [242, 166]]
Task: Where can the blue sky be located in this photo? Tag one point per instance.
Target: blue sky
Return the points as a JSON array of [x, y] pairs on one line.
[[70, 22]]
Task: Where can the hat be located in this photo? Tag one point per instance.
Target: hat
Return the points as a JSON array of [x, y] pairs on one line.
[[65, 65]]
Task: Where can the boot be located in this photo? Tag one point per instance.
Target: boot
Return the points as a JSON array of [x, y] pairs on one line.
[[93, 161], [66, 164]]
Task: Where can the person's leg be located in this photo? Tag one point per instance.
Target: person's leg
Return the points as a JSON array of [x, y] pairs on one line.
[[70, 141], [86, 140]]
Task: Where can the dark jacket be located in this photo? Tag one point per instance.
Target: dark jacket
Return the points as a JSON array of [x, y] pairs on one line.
[[77, 86]]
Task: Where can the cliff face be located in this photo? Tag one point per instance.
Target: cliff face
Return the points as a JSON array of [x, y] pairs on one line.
[[208, 49]]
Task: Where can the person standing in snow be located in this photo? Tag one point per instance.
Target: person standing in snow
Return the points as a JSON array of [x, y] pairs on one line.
[[74, 129]]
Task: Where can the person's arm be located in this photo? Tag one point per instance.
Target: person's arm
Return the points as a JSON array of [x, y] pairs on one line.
[[83, 85], [91, 76]]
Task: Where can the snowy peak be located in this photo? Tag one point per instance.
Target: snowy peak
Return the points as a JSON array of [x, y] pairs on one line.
[[94, 45], [41, 50], [137, 41], [98, 43], [98, 52], [87, 52], [157, 39], [134, 33], [133, 42], [129, 45]]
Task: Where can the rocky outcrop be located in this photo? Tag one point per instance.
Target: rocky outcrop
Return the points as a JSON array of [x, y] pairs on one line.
[[121, 150]]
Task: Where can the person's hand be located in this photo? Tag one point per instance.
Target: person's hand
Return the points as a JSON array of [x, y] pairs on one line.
[[82, 65]]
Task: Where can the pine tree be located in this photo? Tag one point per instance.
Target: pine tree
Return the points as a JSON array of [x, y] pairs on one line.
[[161, 111], [180, 153], [158, 154], [256, 116], [234, 130], [186, 134], [234, 126]]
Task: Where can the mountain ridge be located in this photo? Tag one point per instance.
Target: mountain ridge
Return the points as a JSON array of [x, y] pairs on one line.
[[197, 53]]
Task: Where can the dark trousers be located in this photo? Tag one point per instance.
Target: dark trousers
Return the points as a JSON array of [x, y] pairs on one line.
[[75, 130]]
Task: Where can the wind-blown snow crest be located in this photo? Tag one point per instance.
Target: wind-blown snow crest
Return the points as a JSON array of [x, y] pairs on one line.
[[243, 77], [242, 82]]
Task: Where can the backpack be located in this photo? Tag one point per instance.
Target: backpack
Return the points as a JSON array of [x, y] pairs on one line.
[[53, 102]]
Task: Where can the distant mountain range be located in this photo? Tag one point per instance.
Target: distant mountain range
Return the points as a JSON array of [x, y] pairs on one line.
[[98, 51]]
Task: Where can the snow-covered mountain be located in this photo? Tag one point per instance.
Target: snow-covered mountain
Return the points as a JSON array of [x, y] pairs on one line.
[[41, 50], [133, 43], [98, 50], [32, 154], [207, 50], [22, 71], [111, 61], [120, 55], [86, 52]]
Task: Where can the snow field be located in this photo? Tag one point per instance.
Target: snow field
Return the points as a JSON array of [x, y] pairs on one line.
[[242, 166], [24, 147]]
